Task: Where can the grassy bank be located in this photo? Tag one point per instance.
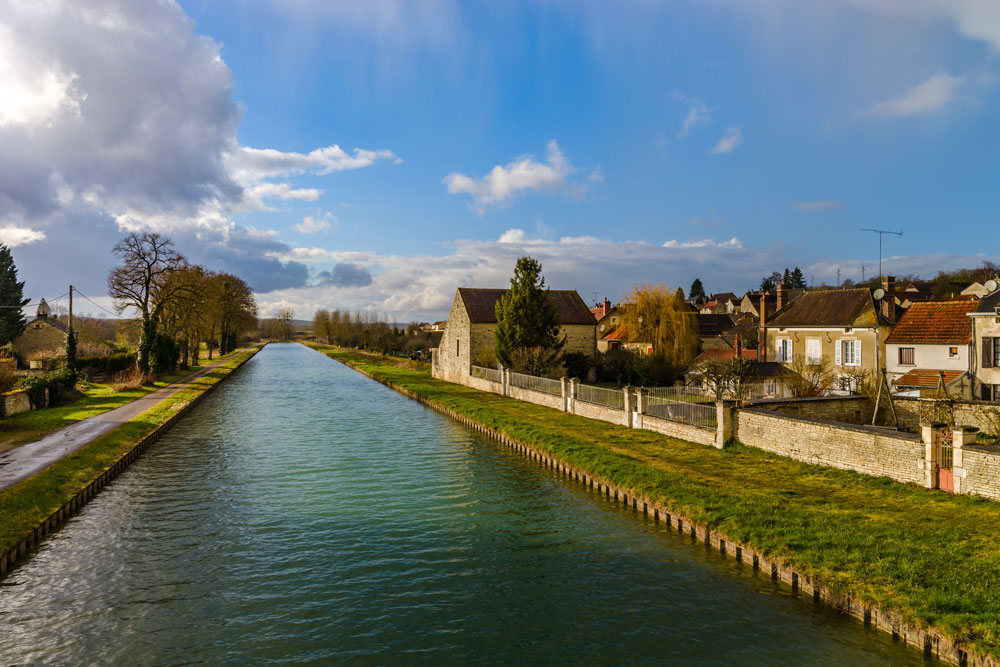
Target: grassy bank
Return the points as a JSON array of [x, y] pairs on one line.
[[25, 505], [91, 399], [930, 555]]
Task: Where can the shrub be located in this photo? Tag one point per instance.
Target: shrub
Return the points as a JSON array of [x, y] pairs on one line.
[[130, 380], [35, 387], [7, 379], [109, 363], [163, 354]]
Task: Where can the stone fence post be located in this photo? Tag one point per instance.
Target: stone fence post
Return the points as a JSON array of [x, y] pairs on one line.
[[564, 391], [928, 433], [574, 391], [961, 436], [505, 380], [627, 390], [723, 423], [641, 403]]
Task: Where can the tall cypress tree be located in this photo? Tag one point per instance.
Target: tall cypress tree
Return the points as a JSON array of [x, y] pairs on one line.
[[12, 299], [527, 333]]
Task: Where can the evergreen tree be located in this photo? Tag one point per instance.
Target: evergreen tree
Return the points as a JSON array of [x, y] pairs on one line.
[[527, 333], [71, 350], [797, 280], [12, 299], [787, 278], [697, 289]]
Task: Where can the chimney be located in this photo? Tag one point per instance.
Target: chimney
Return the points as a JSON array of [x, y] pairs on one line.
[[762, 334], [739, 346], [889, 300], [781, 295], [607, 305]]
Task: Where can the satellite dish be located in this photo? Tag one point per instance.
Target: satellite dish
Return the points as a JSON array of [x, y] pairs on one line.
[[879, 293], [602, 327], [991, 286]]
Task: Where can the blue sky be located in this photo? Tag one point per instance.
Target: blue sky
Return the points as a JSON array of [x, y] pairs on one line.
[[377, 155]]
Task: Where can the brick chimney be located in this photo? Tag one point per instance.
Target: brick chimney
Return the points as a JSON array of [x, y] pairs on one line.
[[889, 300], [781, 295], [762, 335], [607, 305], [739, 346]]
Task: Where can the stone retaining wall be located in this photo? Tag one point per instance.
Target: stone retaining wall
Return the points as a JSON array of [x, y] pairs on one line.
[[868, 450], [980, 470], [846, 409], [689, 432]]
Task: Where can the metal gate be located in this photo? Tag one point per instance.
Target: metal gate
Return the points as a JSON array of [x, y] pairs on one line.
[[945, 457]]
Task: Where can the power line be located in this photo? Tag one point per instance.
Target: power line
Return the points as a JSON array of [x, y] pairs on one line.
[[77, 290], [35, 303]]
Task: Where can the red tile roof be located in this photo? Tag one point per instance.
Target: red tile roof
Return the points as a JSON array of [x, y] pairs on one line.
[[935, 322], [927, 378], [722, 354]]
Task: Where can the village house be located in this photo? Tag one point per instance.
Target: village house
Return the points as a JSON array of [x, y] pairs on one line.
[[43, 334], [767, 380], [848, 327], [469, 334], [931, 347], [986, 345]]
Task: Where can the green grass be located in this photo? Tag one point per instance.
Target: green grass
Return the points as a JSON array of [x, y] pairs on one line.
[[28, 503], [91, 399], [931, 555]]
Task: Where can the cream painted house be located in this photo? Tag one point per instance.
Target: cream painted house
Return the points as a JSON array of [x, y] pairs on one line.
[[931, 345], [469, 333], [848, 327], [986, 346]]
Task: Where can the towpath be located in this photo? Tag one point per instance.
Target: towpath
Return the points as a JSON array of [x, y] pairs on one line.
[[24, 461]]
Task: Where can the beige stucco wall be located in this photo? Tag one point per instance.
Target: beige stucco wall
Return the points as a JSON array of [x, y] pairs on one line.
[[872, 345], [985, 326]]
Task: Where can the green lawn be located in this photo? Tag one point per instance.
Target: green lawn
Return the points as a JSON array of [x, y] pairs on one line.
[[931, 555], [92, 399], [26, 504]]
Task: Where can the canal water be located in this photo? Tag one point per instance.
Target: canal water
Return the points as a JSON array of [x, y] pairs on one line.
[[305, 514]]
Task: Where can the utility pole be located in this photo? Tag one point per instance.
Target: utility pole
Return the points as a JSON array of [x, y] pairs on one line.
[[862, 273], [838, 276], [881, 233]]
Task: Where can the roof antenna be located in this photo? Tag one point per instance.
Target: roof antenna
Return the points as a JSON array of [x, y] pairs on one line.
[[881, 233]]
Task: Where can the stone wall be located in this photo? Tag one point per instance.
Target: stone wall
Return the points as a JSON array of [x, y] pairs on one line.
[[536, 397], [15, 402], [867, 450], [689, 432], [847, 409], [451, 357], [981, 466], [484, 385], [604, 413], [984, 415]]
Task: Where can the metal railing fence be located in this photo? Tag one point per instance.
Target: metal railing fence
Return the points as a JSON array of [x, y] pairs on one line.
[[535, 383], [612, 398], [688, 408], [491, 374]]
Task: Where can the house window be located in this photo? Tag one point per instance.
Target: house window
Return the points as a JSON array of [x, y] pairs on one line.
[[996, 353], [784, 347], [814, 352], [952, 352], [458, 347], [906, 356], [986, 392], [849, 353]]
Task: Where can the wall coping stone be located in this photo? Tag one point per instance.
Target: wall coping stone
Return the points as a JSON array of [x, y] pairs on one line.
[[871, 430]]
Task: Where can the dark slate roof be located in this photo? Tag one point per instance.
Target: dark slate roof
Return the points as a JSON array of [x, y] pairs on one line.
[[935, 322], [768, 369], [830, 308], [481, 305], [988, 304], [714, 324]]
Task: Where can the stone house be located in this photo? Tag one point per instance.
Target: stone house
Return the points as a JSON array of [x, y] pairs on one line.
[[42, 334], [848, 327], [986, 345], [931, 341], [468, 335], [607, 324]]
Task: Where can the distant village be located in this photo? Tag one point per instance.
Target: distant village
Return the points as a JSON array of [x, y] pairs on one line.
[[922, 338]]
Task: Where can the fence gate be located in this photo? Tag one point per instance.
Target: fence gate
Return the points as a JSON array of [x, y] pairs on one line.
[[945, 457]]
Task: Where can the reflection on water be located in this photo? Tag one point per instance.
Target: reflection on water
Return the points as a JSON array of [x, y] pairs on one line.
[[303, 513]]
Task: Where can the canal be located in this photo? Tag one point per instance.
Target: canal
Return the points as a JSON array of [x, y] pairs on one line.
[[305, 514]]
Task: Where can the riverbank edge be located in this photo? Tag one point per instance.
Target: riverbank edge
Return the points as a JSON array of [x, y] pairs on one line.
[[33, 536], [931, 641]]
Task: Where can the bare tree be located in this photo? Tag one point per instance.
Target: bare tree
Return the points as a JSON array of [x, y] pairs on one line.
[[142, 282]]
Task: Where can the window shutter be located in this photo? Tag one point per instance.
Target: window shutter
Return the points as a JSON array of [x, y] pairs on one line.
[[987, 353], [838, 354], [857, 353], [791, 351]]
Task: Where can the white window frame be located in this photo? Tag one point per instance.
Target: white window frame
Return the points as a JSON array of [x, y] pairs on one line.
[[785, 349], [852, 358], [814, 350]]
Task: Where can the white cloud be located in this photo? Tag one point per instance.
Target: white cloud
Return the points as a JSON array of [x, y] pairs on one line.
[[512, 236], [819, 205], [254, 163], [504, 183], [975, 19], [313, 225], [698, 115], [729, 141], [704, 243], [925, 97], [12, 236]]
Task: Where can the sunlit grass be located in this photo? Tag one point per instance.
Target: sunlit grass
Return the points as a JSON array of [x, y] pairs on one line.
[[928, 554]]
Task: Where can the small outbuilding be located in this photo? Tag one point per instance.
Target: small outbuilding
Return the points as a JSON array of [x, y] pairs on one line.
[[469, 333]]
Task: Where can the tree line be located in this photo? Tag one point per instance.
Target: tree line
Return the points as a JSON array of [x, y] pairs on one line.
[[367, 330], [178, 304]]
